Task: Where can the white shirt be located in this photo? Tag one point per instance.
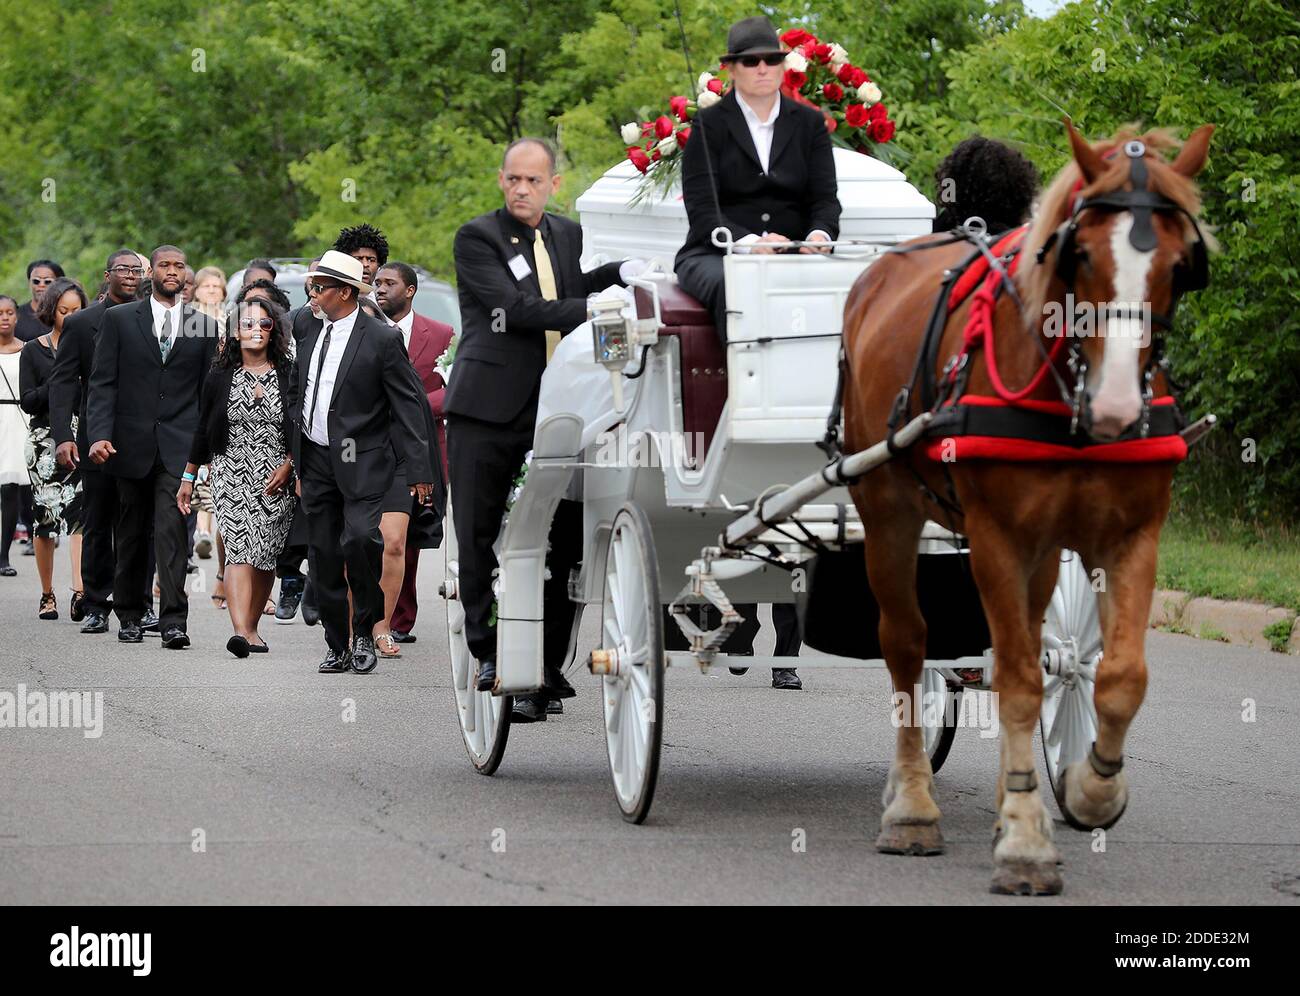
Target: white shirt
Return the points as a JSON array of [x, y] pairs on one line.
[[340, 332], [762, 133], [406, 324], [160, 309]]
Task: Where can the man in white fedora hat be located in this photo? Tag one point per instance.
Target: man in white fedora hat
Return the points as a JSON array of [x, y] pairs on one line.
[[361, 404]]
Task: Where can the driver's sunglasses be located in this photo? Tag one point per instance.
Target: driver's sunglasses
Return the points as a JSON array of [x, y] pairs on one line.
[[752, 61], [248, 324]]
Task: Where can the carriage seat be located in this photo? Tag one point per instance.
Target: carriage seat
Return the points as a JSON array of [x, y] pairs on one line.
[[704, 361]]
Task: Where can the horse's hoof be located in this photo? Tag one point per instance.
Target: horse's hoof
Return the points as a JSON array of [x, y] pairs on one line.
[[916, 839], [1062, 795], [1027, 878]]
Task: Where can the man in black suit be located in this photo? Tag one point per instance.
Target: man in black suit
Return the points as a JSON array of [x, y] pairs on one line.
[[143, 410], [521, 288], [758, 164], [69, 390], [362, 403]]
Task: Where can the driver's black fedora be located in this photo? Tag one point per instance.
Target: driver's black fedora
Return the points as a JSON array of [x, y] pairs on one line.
[[752, 36]]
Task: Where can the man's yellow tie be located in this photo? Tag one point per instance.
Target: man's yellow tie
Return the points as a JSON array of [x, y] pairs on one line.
[[546, 278]]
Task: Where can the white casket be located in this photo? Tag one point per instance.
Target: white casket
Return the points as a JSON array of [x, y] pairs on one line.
[[879, 205]]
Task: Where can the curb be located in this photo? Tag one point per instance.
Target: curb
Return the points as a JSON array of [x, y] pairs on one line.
[[1247, 624]]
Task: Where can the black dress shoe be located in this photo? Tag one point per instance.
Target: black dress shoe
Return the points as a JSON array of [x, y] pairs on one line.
[[785, 677], [529, 708], [174, 638], [554, 707], [364, 657], [129, 632], [556, 685], [238, 646], [150, 622], [96, 622], [487, 675], [738, 670], [399, 637], [334, 663]]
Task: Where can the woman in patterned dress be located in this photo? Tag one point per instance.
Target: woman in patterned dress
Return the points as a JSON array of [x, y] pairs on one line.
[[244, 425], [56, 489]]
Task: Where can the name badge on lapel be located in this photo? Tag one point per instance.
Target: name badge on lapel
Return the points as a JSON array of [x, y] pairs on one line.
[[519, 267]]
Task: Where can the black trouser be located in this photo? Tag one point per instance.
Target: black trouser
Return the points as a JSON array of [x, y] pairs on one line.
[[145, 502], [483, 459], [702, 277], [98, 517], [785, 619], [342, 532]]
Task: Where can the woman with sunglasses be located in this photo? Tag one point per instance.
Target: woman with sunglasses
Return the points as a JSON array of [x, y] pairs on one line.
[[243, 435], [757, 164]]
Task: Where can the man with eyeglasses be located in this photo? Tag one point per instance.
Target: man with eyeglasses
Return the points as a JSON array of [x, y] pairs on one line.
[[758, 164], [69, 382], [40, 274], [143, 411]]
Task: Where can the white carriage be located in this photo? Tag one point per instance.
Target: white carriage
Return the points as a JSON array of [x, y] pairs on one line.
[[703, 483]]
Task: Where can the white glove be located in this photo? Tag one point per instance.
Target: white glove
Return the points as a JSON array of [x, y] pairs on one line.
[[630, 268]]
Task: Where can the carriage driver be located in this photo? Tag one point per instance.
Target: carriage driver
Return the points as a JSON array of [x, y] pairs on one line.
[[758, 164]]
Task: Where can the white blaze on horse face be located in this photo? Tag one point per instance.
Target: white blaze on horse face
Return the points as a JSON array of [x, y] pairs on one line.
[[1117, 398]]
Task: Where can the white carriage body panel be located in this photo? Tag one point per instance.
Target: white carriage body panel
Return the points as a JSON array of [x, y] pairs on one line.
[[877, 202]]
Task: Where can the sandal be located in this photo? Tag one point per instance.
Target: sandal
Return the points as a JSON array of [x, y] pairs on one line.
[[219, 601], [77, 607], [49, 606], [387, 646], [269, 609]]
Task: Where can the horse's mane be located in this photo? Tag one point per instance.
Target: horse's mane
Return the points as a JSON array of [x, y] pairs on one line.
[[1057, 203]]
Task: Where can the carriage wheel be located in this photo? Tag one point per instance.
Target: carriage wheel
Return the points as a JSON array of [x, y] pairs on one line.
[[1071, 653], [938, 739], [484, 717], [632, 662]]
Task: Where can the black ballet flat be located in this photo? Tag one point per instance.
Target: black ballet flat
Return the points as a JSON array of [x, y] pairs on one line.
[[238, 646], [258, 648]]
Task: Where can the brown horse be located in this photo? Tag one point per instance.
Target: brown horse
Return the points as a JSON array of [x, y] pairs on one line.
[[1018, 516]]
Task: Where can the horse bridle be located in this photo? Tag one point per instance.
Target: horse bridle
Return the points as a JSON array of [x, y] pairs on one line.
[[1193, 275]]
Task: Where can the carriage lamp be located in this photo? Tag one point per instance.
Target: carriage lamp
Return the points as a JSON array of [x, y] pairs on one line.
[[612, 341]]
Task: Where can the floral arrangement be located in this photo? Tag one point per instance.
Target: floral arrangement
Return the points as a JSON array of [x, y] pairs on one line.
[[817, 73]]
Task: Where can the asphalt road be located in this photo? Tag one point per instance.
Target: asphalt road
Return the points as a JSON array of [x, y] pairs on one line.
[[292, 804]]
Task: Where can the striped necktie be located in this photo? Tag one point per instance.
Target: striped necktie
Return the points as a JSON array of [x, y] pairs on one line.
[[165, 336]]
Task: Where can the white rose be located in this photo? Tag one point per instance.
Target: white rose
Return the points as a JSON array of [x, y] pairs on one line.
[[838, 55], [707, 98], [631, 133], [869, 93], [703, 82], [796, 61], [667, 146]]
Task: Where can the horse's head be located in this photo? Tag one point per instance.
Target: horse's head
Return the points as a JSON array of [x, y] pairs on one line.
[[1116, 240]]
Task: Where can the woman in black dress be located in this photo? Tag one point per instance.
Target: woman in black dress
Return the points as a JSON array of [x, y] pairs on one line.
[[244, 426], [56, 489]]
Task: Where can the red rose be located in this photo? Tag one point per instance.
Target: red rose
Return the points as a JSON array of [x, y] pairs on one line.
[[796, 36], [639, 159], [654, 156], [663, 126], [858, 78], [678, 107], [822, 53], [715, 85], [845, 73], [794, 81], [683, 136], [832, 91], [807, 48], [855, 115], [877, 112], [881, 130]]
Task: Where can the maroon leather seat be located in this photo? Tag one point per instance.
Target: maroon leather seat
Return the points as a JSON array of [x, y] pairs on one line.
[[704, 363]]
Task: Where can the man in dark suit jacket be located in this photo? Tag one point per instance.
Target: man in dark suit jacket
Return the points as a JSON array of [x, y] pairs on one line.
[[69, 389], [143, 409], [362, 403], [767, 174], [426, 340], [520, 283]]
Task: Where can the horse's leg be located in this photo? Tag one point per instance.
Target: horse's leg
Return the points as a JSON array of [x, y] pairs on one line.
[[1092, 793], [910, 823], [1015, 589]]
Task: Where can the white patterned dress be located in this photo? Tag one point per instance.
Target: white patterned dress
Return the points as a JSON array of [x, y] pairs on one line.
[[253, 524]]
